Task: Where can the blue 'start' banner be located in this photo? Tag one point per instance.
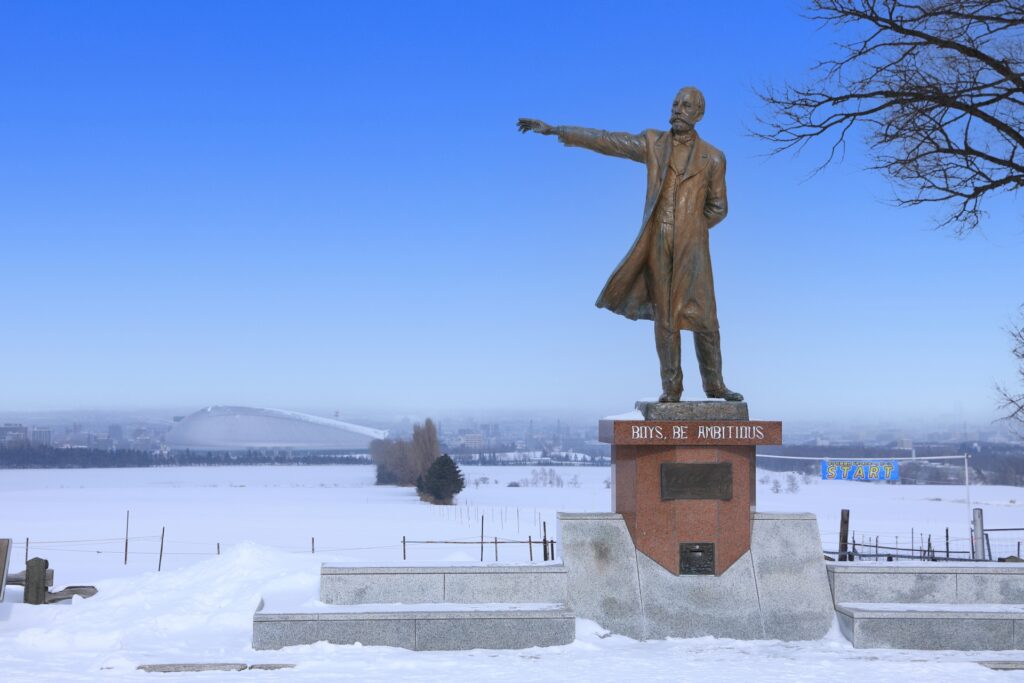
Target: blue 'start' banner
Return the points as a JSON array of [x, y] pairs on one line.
[[861, 470]]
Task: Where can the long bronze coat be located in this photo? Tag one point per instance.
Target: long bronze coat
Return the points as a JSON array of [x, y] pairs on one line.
[[700, 200]]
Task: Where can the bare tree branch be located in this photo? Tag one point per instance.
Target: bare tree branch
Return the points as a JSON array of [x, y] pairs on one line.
[[937, 86]]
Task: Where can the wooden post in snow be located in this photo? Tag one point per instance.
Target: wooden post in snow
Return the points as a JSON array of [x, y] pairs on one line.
[[844, 532], [160, 562], [127, 516]]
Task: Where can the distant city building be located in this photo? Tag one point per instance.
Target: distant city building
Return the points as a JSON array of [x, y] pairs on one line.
[[103, 443], [472, 440], [42, 436], [11, 434]]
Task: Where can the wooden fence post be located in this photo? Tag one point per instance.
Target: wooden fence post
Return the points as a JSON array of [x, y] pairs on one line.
[[844, 532], [160, 562], [529, 544], [127, 516], [403, 547], [35, 581]]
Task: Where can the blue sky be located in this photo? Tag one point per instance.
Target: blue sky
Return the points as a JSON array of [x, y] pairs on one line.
[[327, 206]]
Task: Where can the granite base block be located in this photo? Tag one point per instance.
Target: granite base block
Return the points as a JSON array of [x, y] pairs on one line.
[[792, 584], [779, 589], [695, 606], [604, 583]]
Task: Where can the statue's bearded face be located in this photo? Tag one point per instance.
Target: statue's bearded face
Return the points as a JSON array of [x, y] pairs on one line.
[[687, 110]]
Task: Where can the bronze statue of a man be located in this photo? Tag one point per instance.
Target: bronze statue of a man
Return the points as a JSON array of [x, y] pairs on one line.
[[666, 276]]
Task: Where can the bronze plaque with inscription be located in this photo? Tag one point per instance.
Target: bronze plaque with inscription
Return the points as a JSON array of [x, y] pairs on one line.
[[696, 481]]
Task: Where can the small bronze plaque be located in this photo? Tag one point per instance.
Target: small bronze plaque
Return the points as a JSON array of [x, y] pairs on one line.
[[696, 481], [696, 558]]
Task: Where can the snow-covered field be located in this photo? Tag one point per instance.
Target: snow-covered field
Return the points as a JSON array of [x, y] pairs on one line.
[[199, 607]]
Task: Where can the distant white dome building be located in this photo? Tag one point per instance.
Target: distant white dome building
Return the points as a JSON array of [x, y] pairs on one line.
[[239, 428]]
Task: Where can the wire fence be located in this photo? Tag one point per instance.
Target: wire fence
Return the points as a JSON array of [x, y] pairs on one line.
[[128, 547], [923, 546]]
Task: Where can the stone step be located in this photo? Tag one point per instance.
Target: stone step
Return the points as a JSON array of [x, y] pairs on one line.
[[935, 626], [346, 584], [425, 626]]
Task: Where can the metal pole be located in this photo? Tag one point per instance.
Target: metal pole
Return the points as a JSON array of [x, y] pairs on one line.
[[481, 538], [978, 536], [127, 515], [967, 485]]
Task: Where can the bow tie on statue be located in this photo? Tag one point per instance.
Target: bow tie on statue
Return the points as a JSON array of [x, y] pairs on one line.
[[683, 138]]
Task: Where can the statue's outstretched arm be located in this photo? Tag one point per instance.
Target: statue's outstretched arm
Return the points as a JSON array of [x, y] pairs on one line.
[[625, 145]]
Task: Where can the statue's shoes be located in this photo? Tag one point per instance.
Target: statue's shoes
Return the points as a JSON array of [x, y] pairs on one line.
[[725, 393], [673, 398]]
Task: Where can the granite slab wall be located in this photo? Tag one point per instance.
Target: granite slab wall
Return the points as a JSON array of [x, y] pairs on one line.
[[960, 583], [428, 630], [347, 585]]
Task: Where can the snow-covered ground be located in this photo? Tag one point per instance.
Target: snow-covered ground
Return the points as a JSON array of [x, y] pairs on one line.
[[199, 607]]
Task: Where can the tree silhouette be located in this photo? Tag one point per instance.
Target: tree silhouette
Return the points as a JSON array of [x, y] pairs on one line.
[[441, 482], [936, 85]]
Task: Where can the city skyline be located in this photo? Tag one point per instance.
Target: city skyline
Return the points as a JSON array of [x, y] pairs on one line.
[[329, 208]]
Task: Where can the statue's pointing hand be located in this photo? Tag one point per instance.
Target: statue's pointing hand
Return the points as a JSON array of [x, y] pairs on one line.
[[535, 125]]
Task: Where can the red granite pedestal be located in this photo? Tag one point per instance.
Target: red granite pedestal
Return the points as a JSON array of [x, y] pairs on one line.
[[686, 488]]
